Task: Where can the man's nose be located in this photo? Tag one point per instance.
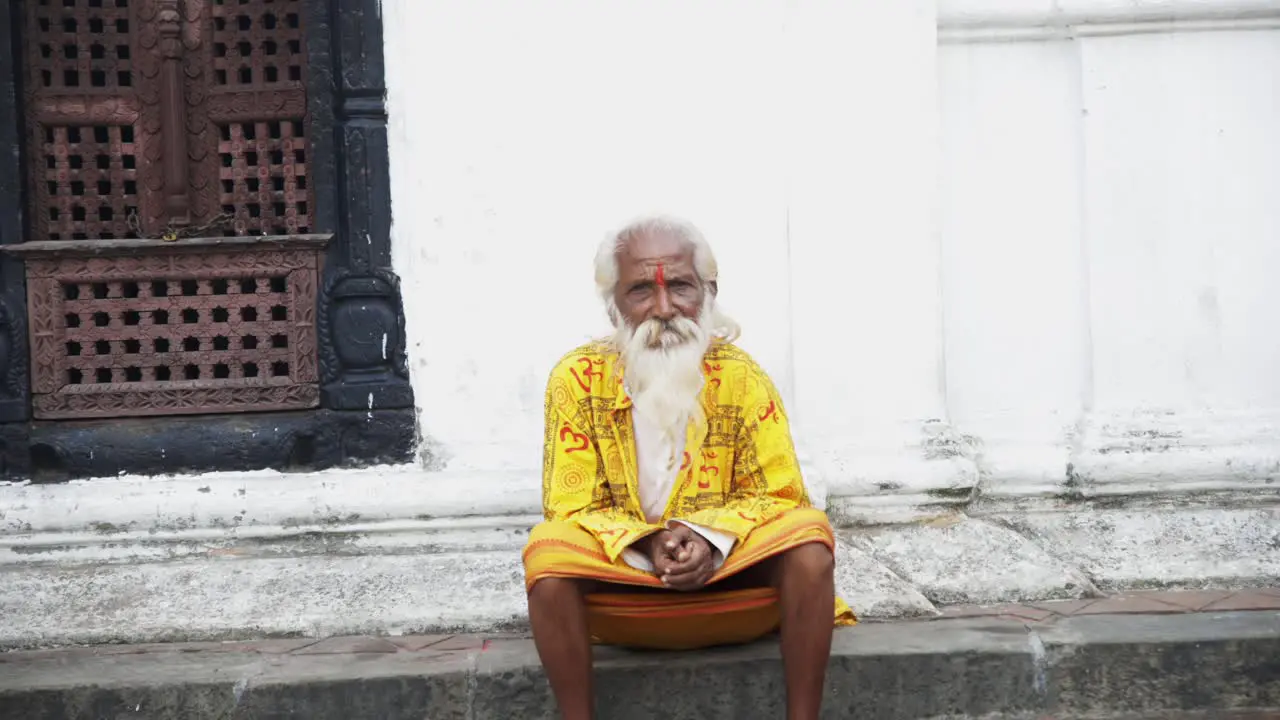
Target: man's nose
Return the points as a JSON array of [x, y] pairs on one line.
[[662, 306]]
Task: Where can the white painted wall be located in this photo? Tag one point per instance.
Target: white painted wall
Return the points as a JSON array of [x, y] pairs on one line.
[[521, 134], [970, 239], [1110, 241]]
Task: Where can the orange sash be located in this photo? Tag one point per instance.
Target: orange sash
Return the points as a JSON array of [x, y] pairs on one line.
[[676, 620]]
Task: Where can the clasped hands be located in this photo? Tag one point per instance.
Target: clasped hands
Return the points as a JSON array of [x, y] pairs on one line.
[[682, 559]]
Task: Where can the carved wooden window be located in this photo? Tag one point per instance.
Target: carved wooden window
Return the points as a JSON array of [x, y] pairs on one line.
[[147, 114], [150, 120]]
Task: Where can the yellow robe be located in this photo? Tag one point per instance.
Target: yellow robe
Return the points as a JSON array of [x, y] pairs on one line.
[[739, 476]]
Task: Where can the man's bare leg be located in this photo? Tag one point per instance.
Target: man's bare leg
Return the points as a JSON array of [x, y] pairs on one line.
[[806, 588], [558, 614]]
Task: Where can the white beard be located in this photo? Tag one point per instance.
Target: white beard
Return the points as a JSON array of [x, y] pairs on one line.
[[663, 372]]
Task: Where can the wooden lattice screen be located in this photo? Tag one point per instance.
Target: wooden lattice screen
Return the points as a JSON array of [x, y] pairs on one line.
[[154, 119], [83, 104], [144, 114]]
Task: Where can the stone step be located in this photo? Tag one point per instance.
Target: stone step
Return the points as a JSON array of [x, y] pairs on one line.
[[464, 574], [1188, 665]]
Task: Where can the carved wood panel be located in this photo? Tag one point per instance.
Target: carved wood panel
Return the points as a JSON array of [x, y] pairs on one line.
[[148, 115], [148, 118], [173, 330]]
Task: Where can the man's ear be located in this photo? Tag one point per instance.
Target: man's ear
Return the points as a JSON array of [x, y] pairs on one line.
[[715, 288]]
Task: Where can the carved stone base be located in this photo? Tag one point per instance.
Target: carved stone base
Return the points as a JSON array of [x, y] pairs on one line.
[[362, 353], [13, 351], [293, 441], [15, 458], [381, 392], [13, 409]]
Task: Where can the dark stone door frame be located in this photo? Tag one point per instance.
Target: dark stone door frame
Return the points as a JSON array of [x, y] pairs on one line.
[[14, 381], [367, 411]]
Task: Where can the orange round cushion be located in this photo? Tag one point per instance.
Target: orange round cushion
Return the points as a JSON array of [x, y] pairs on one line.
[[682, 621]]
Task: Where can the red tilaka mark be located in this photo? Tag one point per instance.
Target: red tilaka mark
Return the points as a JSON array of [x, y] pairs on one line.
[[661, 277]]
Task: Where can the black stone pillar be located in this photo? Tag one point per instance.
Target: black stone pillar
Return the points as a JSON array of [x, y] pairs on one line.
[[361, 318], [14, 383]]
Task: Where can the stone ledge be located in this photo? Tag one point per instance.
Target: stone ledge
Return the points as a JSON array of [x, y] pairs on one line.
[[1092, 666], [135, 583]]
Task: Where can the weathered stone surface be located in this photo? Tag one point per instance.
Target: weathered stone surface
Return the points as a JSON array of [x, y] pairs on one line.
[[203, 599], [1102, 666], [221, 686], [872, 589], [1152, 663], [15, 454], [452, 574], [873, 673], [972, 561], [343, 592], [1200, 548]]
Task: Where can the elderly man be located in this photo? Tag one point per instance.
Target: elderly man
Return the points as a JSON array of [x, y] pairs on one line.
[[676, 516]]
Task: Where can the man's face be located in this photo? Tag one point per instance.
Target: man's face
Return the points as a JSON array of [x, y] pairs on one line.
[[661, 335], [657, 281]]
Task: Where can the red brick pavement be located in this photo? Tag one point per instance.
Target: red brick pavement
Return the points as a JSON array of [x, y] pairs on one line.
[[1163, 602]]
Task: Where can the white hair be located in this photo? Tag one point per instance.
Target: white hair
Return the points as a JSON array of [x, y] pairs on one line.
[[721, 327], [663, 366]]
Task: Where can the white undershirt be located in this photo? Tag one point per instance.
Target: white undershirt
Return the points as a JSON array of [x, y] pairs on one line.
[[656, 484]]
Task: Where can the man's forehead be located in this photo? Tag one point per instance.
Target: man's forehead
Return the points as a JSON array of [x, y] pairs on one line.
[[654, 247]]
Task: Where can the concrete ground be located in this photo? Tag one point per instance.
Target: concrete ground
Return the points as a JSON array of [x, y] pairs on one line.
[[1170, 655]]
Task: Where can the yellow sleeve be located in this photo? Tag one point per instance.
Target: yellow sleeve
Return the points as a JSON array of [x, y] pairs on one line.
[[575, 487], [766, 473]]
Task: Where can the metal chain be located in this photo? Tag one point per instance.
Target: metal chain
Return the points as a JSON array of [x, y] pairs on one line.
[[220, 221]]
